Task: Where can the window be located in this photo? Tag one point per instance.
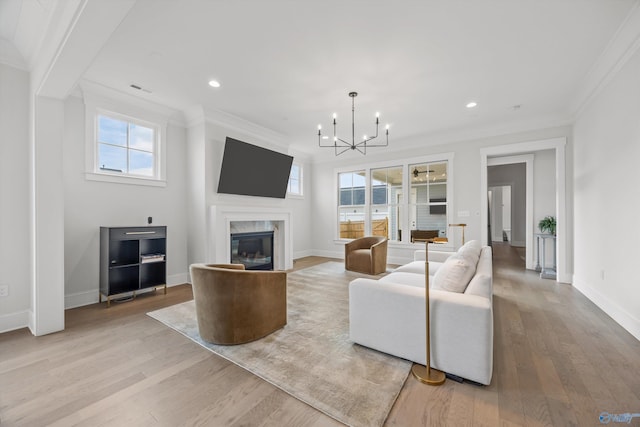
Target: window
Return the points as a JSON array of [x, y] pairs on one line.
[[125, 147], [125, 138], [410, 198], [294, 187], [351, 204]]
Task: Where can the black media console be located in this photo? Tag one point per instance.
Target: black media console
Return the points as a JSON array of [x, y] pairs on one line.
[[132, 259]]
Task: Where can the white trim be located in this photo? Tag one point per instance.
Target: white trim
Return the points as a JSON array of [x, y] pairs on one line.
[[128, 179], [13, 321], [559, 145], [80, 299], [625, 319], [620, 49], [219, 233], [527, 159], [302, 254]]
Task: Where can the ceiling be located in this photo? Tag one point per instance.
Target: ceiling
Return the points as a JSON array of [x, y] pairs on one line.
[[288, 65]]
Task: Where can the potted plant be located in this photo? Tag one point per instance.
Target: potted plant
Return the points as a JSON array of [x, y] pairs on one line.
[[548, 224]]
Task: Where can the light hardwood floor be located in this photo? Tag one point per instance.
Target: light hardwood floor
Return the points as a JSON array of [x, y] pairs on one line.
[[558, 360]]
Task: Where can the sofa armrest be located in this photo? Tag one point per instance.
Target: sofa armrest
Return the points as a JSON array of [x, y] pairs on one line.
[[389, 317], [438, 256]]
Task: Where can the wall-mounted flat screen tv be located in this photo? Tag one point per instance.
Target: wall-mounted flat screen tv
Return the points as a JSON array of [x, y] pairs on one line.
[[250, 170]]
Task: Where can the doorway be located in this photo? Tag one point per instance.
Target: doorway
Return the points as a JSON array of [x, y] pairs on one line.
[[511, 178], [489, 155]]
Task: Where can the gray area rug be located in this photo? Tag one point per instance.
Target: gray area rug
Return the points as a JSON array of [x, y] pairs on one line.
[[311, 358]]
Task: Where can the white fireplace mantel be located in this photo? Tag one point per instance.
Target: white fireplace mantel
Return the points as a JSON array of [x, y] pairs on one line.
[[248, 218]]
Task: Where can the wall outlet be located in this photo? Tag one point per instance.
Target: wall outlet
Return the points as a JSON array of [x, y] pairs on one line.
[[4, 290]]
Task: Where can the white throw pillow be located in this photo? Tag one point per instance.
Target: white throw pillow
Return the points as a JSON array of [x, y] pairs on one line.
[[455, 274], [472, 250]]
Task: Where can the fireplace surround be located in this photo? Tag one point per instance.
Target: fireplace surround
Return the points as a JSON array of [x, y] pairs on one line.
[[225, 220]]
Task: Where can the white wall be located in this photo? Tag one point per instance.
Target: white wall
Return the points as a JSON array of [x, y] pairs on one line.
[[466, 186], [606, 180], [91, 204], [14, 197]]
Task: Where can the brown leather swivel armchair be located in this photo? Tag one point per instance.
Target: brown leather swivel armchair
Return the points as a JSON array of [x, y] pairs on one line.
[[234, 305], [366, 255]]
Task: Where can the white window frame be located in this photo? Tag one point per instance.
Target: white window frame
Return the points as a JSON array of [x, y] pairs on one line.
[[300, 176], [98, 104]]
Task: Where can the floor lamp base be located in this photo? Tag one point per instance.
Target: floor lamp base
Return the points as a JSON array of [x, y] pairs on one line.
[[428, 376]]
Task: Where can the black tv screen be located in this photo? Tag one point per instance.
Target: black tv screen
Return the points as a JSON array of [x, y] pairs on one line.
[[250, 170]]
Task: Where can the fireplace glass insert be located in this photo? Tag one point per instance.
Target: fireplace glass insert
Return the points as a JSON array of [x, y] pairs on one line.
[[254, 250]]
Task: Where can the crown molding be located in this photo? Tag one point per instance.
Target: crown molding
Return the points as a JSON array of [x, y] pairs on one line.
[[92, 91], [243, 126], [624, 44]]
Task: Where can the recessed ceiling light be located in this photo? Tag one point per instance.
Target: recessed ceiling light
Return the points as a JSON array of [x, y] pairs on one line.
[[472, 104], [214, 83]]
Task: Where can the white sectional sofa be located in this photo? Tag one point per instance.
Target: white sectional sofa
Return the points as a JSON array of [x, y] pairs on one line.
[[388, 314]]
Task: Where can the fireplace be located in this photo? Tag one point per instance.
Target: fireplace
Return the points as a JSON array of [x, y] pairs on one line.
[[226, 220], [254, 250]]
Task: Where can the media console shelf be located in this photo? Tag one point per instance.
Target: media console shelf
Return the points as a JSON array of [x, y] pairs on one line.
[[132, 259]]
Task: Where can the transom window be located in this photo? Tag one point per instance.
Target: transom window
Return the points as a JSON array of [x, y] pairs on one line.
[[126, 146]]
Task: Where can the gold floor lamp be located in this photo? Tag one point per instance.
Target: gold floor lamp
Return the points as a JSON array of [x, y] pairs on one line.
[[426, 374]]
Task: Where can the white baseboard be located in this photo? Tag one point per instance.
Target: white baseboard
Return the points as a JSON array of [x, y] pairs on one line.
[[617, 313], [178, 279], [13, 321], [80, 299], [328, 254], [302, 254]]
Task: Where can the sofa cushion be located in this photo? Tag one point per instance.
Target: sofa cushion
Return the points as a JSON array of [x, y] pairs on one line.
[[471, 249], [455, 274], [418, 267], [404, 278], [480, 285]]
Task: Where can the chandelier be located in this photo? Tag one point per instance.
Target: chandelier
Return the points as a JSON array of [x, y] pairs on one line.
[[340, 145]]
